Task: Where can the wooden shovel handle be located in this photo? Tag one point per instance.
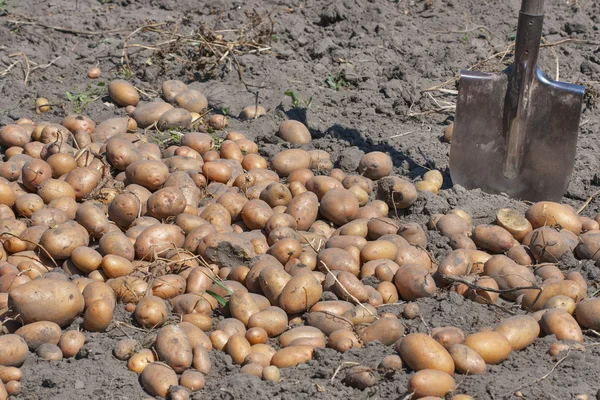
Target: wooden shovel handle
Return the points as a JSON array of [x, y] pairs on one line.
[[532, 7]]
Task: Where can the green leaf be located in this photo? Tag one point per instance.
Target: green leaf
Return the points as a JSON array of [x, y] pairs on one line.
[[221, 300]]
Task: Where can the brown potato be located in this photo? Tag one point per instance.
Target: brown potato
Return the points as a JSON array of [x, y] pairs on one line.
[[375, 165], [587, 313], [123, 93], [548, 244], [336, 259], [520, 330], [49, 352], [430, 384], [466, 360], [38, 333], [149, 113], [294, 132], [339, 206], [289, 160], [238, 348], [549, 214], [157, 378], [532, 301], [13, 350], [493, 347], [413, 282], [150, 174], [292, 356], [93, 219], [63, 301], [304, 209], [491, 238], [448, 336], [311, 290], [509, 275], [151, 312], [561, 324], [420, 351], [98, 316], [276, 194], [396, 192], [560, 301], [173, 347], [71, 342], [514, 222], [157, 239], [385, 330]]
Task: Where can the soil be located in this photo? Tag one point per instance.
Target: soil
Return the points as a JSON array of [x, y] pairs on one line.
[[359, 69]]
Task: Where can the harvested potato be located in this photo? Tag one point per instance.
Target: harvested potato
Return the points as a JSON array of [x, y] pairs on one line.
[[493, 347], [587, 313], [520, 330], [561, 324], [173, 347], [294, 132], [429, 382], [157, 378], [375, 165], [420, 351], [38, 333], [151, 312], [13, 350], [514, 222], [550, 214], [466, 360], [71, 342], [123, 93]]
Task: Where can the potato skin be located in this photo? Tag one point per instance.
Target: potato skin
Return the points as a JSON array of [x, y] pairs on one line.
[[492, 238], [420, 351], [384, 330], [561, 324], [304, 208], [123, 93], [430, 383], [174, 348], [548, 213], [467, 360], [339, 206], [300, 293], [493, 347], [13, 350], [157, 378], [292, 356], [587, 313], [38, 333], [413, 282], [63, 301], [520, 330]]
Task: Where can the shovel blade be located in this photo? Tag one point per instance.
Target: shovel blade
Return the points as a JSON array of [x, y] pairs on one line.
[[479, 140]]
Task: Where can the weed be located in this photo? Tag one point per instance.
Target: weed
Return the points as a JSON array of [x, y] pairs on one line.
[[125, 72], [337, 82], [81, 100], [297, 101], [465, 37], [225, 111], [3, 7], [275, 37]]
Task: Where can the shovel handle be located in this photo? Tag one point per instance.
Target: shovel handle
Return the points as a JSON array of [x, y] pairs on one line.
[[532, 7]]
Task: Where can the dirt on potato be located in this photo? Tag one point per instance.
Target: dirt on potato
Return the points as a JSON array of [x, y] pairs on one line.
[[363, 75]]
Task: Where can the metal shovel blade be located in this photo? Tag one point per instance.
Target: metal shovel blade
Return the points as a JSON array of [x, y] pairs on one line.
[[516, 132]]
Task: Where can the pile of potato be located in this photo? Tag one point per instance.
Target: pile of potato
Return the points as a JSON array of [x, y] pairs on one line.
[[94, 215]]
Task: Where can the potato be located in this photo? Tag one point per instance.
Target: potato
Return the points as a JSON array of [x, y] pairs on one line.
[[548, 244], [514, 222], [587, 313], [168, 286], [150, 174], [360, 377], [375, 165], [300, 294], [242, 306], [189, 99], [294, 132], [125, 349], [13, 350], [98, 315], [157, 378], [413, 282], [289, 160], [256, 213], [396, 192], [174, 118], [123, 93], [38, 333], [549, 290], [173, 347], [63, 239], [167, 202], [151, 312], [156, 240], [560, 301], [509, 275], [550, 214], [520, 330], [384, 330], [348, 285], [192, 380], [430, 382], [51, 189], [448, 336], [377, 250], [238, 348], [484, 296], [49, 352], [71, 342], [420, 351], [14, 135], [561, 324], [116, 243], [304, 209], [93, 219], [493, 347], [129, 289], [466, 360], [324, 322], [494, 239], [292, 356], [149, 113], [339, 206], [63, 301], [336, 259], [589, 246]]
